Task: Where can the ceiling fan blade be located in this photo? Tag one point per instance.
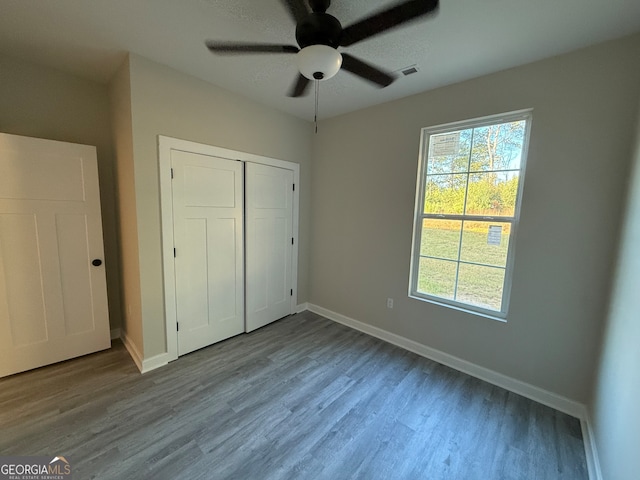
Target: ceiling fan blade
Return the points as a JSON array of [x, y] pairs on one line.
[[366, 71], [387, 19], [230, 48], [300, 87], [297, 8]]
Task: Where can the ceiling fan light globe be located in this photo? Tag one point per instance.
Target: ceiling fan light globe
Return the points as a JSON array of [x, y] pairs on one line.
[[319, 62]]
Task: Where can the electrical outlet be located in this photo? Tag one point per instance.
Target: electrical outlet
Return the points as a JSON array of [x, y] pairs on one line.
[[389, 302]]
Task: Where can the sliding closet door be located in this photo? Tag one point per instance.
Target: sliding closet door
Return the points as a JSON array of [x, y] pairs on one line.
[[269, 243], [208, 236]]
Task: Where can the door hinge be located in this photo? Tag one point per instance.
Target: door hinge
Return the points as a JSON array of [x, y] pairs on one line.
[[292, 292], [177, 326], [294, 187], [291, 240], [172, 173], [174, 252]]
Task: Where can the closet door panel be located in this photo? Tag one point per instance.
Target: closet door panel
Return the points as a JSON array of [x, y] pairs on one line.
[[208, 236], [269, 243]]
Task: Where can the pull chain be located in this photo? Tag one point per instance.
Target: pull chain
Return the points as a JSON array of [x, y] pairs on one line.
[[315, 117]]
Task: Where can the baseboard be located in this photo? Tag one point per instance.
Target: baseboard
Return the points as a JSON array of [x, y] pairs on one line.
[[133, 351], [302, 307], [154, 362], [115, 333], [590, 449], [144, 364], [532, 392]]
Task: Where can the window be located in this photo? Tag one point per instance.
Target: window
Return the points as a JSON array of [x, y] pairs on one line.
[[467, 206]]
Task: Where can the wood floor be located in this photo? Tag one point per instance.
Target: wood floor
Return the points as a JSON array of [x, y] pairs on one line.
[[303, 398]]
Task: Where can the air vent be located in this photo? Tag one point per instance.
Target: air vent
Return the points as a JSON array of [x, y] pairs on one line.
[[409, 70]]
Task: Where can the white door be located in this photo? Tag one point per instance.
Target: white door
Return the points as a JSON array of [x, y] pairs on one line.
[[269, 244], [53, 299], [208, 236]]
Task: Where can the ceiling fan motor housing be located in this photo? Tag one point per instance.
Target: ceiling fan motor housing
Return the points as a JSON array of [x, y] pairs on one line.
[[319, 29], [319, 5]]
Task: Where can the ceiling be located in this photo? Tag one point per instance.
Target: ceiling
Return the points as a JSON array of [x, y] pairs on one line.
[[466, 39]]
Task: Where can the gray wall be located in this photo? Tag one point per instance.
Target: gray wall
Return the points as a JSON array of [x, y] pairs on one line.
[[121, 125], [616, 404], [167, 102], [364, 175], [41, 102]]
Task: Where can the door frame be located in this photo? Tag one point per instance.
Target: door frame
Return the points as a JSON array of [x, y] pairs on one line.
[[165, 146]]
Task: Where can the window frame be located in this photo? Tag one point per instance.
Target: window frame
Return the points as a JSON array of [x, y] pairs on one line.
[[419, 215]]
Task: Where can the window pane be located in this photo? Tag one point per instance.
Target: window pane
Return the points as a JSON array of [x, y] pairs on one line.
[[497, 147], [481, 286], [437, 277], [492, 194], [440, 238], [445, 194], [449, 152], [485, 242]]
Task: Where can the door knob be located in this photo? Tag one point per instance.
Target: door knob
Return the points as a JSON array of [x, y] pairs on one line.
[[97, 262]]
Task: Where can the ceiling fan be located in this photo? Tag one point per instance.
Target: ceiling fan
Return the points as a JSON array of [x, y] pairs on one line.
[[319, 34]]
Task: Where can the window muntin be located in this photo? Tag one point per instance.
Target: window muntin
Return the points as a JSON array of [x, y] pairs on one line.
[[467, 207]]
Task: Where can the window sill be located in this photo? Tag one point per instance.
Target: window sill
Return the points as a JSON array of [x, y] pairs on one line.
[[495, 316]]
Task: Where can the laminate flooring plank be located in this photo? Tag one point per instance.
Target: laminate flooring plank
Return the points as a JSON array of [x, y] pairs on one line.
[[380, 457], [302, 398]]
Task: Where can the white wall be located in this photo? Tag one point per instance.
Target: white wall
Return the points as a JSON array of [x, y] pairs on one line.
[[363, 187], [616, 405], [167, 102]]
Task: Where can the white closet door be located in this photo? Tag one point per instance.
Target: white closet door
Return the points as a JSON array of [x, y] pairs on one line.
[[53, 300], [208, 235], [269, 244]]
